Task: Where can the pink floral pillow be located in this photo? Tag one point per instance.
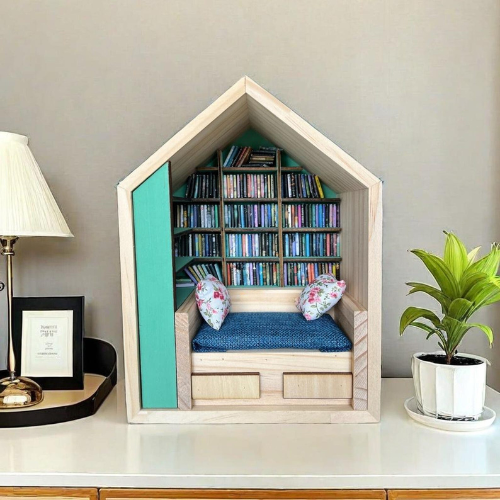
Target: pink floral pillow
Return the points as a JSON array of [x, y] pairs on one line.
[[212, 299], [320, 296]]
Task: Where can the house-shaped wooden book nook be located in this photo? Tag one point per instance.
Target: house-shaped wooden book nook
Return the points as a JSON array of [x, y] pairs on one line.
[[266, 224]]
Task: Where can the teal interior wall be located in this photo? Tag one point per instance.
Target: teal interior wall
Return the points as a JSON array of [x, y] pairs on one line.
[[155, 292]]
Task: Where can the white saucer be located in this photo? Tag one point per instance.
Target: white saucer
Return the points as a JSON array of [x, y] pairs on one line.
[[485, 420]]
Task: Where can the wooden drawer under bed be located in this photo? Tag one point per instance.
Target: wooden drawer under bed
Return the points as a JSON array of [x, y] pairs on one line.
[[267, 371], [246, 386], [317, 385], [225, 386]]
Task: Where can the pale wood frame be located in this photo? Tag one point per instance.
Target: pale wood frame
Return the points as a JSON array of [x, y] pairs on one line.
[[243, 105]]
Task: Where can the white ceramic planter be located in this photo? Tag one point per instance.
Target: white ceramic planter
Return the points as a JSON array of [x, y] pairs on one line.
[[449, 391]]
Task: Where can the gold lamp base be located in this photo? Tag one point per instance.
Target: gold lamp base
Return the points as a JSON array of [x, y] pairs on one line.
[[15, 392], [19, 392]]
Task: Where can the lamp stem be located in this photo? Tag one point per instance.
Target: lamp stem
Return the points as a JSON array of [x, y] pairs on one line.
[[15, 392], [7, 243]]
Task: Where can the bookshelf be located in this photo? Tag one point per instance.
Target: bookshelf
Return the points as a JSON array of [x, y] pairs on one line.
[[285, 255]]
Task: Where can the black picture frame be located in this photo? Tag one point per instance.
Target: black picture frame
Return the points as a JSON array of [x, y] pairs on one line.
[[77, 305]]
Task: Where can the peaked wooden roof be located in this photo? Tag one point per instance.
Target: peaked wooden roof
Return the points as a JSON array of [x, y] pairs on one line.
[[247, 105]]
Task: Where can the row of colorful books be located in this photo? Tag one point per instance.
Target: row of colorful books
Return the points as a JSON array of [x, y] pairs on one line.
[[238, 215], [197, 272], [261, 273], [245, 156], [206, 216], [311, 215], [301, 186], [249, 186], [202, 186], [252, 273], [198, 245], [302, 273], [252, 245], [311, 245]]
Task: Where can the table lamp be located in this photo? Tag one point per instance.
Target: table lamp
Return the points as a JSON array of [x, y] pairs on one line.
[[28, 209]]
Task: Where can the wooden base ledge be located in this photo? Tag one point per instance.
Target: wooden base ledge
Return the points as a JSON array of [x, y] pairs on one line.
[[257, 415]]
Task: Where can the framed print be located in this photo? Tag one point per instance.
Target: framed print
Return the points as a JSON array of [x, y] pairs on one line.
[[48, 340]]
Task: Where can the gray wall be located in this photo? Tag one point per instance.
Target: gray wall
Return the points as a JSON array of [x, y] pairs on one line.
[[409, 88]]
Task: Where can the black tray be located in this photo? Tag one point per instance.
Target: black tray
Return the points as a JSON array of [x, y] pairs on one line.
[[99, 358]]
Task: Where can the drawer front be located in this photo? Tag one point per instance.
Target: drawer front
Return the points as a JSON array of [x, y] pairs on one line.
[[317, 385], [444, 494], [226, 386], [218, 494], [48, 493]]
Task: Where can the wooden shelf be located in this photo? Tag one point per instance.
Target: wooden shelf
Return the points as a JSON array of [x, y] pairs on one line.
[[182, 262], [206, 259], [312, 230], [180, 199], [310, 200], [204, 229], [207, 169], [252, 259], [240, 170], [250, 200], [251, 229], [292, 169], [181, 231], [312, 259]]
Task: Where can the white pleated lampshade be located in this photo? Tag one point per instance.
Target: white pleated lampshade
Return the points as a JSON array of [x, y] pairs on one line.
[[28, 207]]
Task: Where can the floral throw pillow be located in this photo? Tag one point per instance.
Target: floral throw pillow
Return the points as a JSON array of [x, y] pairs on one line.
[[320, 296], [212, 299]]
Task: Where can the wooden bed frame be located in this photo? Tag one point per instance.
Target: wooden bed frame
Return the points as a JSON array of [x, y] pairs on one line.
[[277, 377]]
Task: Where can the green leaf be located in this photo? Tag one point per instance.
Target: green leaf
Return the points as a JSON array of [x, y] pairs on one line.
[[432, 291], [455, 255], [412, 314], [484, 292], [430, 331], [495, 296], [440, 271], [488, 264], [471, 256], [470, 279], [461, 309], [486, 329], [423, 326], [455, 331]]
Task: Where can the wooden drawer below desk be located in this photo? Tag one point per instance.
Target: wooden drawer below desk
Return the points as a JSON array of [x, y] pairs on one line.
[[317, 385], [48, 494], [225, 386], [225, 494], [444, 494]]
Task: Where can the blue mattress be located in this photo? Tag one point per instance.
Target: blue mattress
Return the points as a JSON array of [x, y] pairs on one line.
[[273, 330]]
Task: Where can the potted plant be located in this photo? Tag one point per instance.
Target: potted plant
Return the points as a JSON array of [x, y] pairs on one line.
[[447, 384]]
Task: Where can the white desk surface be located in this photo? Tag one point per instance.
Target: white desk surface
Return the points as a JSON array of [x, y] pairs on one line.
[[105, 451]]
